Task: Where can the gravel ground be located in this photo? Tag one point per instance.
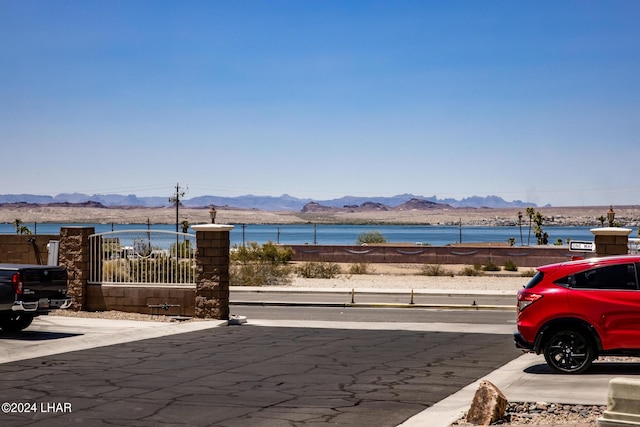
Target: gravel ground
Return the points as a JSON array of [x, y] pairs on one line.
[[115, 315], [547, 414]]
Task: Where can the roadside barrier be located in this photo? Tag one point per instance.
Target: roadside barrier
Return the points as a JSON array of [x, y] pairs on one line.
[[623, 404]]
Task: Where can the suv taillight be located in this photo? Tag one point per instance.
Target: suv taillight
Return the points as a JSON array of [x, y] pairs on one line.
[[525, 299], [16, 283]]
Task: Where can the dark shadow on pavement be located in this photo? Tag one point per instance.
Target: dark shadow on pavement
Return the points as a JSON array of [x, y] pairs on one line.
[[598, 368], [36, 336]]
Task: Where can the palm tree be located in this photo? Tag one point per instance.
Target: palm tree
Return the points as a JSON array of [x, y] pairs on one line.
[[20, 228], [530, 213], [520, 225], [541, 237]]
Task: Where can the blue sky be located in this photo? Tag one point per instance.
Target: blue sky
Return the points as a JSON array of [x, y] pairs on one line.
[[533, 101]]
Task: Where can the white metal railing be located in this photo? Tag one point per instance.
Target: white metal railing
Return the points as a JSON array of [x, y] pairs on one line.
[[142, 257]]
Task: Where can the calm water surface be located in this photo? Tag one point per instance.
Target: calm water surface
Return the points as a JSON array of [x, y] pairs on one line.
[[336, 234]]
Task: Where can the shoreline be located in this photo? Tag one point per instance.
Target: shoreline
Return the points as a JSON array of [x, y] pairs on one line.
[[561, 216]]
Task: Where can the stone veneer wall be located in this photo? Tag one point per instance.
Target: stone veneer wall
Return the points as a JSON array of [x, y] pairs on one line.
[[611, 245], [176, 300], [611, 240], [74, 255], [20, 248], [527, 256], [212, 271]]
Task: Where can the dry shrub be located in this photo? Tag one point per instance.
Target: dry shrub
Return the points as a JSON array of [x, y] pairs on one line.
[[434, 270], [359, 268], [476, 270], [318, 270]]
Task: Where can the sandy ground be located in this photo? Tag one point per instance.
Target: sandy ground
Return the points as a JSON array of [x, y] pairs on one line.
[[407, 277], [408, 283], [584, 216]]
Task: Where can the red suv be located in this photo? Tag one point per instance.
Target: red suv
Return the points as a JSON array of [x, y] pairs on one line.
[[576, 311]]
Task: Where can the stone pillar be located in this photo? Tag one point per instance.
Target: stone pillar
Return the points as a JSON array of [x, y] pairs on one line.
[[74, 255], [212, 271], [611, 240]]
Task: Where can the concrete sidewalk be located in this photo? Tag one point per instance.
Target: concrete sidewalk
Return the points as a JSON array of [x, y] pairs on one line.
[[528, 379], [78, 333]]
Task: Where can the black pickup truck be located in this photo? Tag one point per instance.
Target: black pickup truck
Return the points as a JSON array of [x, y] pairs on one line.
[[27, 291]]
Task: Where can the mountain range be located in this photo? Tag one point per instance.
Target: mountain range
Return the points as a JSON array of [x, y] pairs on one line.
[[266, 203]]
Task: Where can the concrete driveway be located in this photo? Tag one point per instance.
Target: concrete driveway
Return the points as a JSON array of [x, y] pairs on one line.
[[272, 373], [199, 373]]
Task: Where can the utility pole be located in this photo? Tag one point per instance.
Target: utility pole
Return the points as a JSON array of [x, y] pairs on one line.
[[175, 199]]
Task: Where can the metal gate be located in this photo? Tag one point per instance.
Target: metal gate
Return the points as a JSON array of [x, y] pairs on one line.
[[142, 257]]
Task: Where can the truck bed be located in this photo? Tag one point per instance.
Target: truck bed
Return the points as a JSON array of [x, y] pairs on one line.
[[27, 291]]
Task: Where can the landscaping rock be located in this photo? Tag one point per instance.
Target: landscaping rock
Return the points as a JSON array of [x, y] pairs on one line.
[[488, 405]]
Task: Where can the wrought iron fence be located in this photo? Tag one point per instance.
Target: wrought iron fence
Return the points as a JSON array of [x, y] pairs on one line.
[[142, 257]]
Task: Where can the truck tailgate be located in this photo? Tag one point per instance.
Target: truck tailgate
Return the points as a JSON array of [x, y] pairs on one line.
[[44, 283], [38, 281]]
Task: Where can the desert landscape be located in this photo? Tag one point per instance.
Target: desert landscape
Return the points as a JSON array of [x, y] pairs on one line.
[[628, 216]]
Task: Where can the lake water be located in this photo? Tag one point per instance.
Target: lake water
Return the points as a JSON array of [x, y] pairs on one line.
[[336, 234]]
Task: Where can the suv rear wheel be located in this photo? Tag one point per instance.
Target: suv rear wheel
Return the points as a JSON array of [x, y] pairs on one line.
[[569, 351]]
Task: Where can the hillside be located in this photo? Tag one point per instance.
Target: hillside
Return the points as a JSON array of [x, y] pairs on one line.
[[266, 203], [581, 216]]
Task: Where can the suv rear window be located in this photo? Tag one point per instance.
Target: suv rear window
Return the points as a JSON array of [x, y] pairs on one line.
[[611, 277], [537, 278]]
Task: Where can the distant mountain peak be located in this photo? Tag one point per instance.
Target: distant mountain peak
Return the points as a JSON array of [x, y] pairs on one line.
[[315, 207], [412, 204], [271, 203], [419, 204]]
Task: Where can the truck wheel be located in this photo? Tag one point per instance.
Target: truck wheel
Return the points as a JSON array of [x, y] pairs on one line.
[[15, 322], [569, 351]]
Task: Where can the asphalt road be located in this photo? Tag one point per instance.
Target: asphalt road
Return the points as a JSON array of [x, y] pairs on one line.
[[267, 372]]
